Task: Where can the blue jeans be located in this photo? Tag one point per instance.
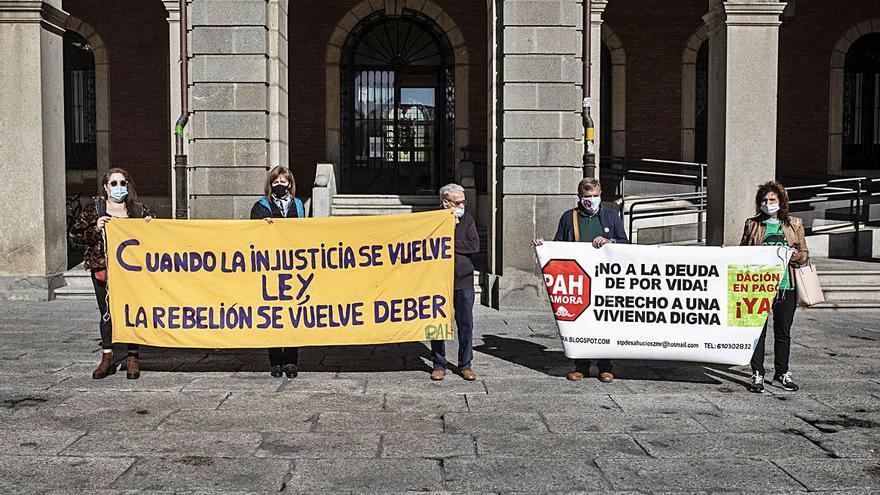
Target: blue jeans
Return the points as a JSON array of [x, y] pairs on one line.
[[463, 303]]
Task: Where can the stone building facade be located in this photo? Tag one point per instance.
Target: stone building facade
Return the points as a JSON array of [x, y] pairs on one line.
[[400, 96]]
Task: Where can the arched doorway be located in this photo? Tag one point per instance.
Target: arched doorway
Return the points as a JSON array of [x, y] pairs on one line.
[[397, 106], [861, 105], [612, 87], [80, 116], [695, 97]]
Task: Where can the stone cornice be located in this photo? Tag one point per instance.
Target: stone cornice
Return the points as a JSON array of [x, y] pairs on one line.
[[744, 14], [33, 12]]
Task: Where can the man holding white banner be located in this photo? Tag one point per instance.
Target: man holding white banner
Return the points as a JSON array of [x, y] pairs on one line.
[[683, 303], [589, 222]]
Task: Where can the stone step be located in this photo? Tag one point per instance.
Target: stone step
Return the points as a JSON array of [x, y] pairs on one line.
[[851, 293], [847, 305], [67, 293], [846, 277], [388, 204]]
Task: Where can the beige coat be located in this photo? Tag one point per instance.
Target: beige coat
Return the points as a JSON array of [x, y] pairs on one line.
[[793, 230]]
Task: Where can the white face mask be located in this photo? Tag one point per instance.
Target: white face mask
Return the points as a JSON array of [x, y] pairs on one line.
[[591, 203], [459, 211], [770, 208]]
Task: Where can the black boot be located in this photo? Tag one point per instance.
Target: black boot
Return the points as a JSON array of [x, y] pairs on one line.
[[275, 370], [290, 370]]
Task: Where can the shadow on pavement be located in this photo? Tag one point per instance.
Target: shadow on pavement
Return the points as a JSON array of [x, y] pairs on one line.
[[348, 359], [539, 358]]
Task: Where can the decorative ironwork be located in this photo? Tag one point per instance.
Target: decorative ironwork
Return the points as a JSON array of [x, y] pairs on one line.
[[398, 103]]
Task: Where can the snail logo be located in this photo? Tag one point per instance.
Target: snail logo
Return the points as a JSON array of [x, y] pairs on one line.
[[568, 287]]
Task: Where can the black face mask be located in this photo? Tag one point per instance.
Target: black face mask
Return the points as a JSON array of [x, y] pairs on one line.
[[280, 190]]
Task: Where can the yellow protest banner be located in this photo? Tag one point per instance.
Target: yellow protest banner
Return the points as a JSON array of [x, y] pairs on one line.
[[295, 282]]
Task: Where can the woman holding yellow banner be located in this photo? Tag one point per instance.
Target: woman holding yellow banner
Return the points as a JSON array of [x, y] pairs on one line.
[[117, 200], [773, 226], [279, 201]]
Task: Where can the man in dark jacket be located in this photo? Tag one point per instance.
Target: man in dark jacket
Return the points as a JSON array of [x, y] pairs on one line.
[[589, 222], [467, 243]]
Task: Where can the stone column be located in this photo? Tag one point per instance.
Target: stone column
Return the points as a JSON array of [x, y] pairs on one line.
[[173, 9], [239, 103], [597, 8], [743, 68], [537, 100], [33, 248]]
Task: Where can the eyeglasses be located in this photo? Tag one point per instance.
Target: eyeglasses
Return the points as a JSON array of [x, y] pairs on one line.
[[456, 203], [122, 183]]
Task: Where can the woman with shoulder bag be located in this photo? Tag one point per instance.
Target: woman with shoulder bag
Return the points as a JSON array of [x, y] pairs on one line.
[[772, 225], [279, 201], [117, 200]]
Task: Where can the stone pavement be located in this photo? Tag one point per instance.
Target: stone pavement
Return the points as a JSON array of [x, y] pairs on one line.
[[368, 420]]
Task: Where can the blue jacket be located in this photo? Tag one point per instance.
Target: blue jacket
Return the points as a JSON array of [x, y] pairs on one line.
[[611, 224]]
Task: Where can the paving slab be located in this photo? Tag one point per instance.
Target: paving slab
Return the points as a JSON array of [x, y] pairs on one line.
[[37, 442], [37, 474], [379, 422], [294, 400], [503, 474], [664, 403], [319, 445], [428, 404], [205, 472], [164, 443], [233, 420], [738, 422], [145, 417], [559, 446], [834, 474], [851, 444], [692, 475], [737, 445], [494, 402], [621, 422], [383, 475], [483, 423], [429, 445]]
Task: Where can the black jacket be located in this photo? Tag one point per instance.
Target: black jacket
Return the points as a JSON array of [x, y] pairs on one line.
[[467, 243], [264, 208]]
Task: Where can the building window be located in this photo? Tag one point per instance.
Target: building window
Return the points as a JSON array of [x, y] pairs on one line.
[[701, 105], [861, 105]]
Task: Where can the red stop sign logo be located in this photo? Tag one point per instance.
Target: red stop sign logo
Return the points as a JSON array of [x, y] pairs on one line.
[[568, 286]]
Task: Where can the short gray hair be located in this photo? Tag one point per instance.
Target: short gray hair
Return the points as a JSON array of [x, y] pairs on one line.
[[588, 183], [448, 188]]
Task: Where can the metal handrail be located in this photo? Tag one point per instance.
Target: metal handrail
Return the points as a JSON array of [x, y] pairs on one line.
[[859, 190]]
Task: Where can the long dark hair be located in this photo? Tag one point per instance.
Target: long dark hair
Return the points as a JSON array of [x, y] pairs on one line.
[[132, 192], [778, 189]]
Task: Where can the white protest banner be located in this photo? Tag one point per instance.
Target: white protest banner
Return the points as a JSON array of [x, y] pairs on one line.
[[682, 303]]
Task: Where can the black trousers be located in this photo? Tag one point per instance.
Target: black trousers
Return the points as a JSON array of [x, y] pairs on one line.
[[783, 317], [583, 365], [104, 308], [279, 356]]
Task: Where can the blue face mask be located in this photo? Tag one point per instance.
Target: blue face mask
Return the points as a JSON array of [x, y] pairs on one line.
[[770, 208], [119, 193]]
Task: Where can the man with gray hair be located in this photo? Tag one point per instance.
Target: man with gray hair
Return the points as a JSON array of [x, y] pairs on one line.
[[589, 222], [467, 243]]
